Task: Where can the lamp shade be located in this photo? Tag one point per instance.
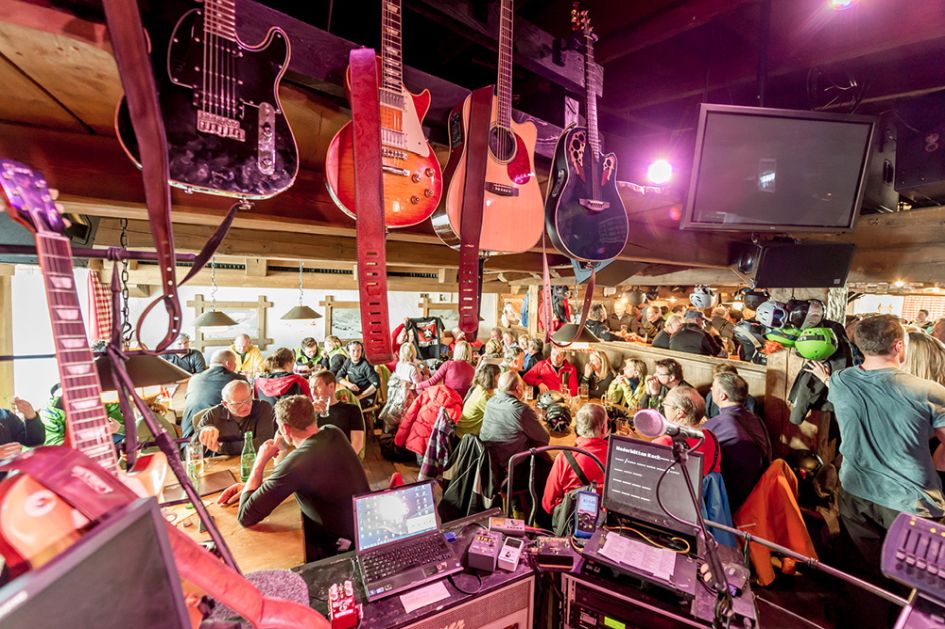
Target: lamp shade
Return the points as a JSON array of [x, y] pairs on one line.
[[299, 313], [565, 334], [144, 371], [214, 319]]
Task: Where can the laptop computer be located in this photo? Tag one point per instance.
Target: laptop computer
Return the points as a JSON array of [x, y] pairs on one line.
[[398, 540]]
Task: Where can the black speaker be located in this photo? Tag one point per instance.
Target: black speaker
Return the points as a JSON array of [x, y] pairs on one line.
[[920, 148], [792, 265]]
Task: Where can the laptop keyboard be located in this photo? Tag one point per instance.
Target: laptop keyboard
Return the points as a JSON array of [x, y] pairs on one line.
[[381, 564]]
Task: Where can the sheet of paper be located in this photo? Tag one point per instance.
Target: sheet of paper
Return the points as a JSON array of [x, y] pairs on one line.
[[424, 596], [660, 562]]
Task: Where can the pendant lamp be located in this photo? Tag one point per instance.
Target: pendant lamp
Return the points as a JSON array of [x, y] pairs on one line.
[[566, 333], [213, 318], [300, 312]]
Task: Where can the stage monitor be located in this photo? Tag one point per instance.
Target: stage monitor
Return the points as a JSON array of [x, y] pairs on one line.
[[777, 170], [120, 574], [633, 470]]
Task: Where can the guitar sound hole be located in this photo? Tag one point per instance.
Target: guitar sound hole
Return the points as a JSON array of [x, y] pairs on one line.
[[502, 143]]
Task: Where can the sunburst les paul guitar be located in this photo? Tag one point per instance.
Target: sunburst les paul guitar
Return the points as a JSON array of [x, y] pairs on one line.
[[512, 213], [35, 525], [413, 182], [226, 131]]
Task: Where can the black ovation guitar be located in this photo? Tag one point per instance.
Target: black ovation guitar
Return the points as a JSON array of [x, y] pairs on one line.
[[584, 214], [226, 131]]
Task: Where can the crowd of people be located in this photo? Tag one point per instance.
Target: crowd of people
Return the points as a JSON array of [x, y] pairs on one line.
[[312, 408]]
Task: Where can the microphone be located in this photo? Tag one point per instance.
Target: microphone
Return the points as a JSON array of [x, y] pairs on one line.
[[651, 423]]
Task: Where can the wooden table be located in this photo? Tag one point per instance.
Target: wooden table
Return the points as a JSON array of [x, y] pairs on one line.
[[275, 543]]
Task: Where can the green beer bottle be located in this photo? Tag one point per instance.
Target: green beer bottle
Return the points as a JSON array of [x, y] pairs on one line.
[[248, 457]]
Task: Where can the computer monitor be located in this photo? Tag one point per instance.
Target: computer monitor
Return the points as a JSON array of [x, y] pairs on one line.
[[385, 517], [758, 169], [120, 574], [633, 470]]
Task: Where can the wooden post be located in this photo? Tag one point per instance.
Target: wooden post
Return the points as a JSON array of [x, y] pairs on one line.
[[533, 292], [7, 387]]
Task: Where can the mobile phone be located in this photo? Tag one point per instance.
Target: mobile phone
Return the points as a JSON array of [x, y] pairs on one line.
[[585, 513]]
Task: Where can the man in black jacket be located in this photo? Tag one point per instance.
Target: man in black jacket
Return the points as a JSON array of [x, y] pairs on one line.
[[673, 324], [323, 472], [693, 338], [595, 323], [358, 375], [190, 361], [222, 429], [206, 388]]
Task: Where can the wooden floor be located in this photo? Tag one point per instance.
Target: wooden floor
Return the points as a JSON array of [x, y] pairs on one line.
[[379, 469]]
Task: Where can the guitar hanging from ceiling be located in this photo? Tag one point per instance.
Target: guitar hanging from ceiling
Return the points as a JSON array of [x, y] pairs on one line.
[[226, 131], [584, 213], [512, 202], [413, 182]]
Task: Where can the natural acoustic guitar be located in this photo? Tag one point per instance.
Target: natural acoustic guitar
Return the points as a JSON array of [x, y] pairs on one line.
[[34, 524], [584, 213], [512, 215], [412, 179], [226, 131]]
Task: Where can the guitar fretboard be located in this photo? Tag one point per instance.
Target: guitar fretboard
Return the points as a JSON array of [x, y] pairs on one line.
[[86, 420], [504, 83], [591, 81], [220, 18], [392, 66]]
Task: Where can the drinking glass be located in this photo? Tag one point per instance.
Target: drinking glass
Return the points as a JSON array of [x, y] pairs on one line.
[[326, 403], [583, 392]]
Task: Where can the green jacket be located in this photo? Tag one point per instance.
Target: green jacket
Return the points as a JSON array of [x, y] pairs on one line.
[[311, 364], [54, 419], [621, 394]]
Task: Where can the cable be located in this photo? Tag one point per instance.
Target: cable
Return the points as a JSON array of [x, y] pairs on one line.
[[472, 574], [650, 541], [659, 482]]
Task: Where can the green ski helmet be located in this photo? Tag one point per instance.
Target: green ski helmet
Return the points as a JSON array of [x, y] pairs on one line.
[[785, 336], [816, 343]]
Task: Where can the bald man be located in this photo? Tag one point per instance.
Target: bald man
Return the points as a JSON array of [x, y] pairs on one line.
[[221, 429], [249, 360], [205, 389], [509, 425]]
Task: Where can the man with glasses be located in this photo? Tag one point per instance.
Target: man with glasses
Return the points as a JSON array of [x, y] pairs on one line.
[[668, 376], [222, 427]]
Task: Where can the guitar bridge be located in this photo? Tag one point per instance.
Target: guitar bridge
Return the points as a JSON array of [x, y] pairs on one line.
[[266, 138], [220, 125], [501, 189], [594, 205]]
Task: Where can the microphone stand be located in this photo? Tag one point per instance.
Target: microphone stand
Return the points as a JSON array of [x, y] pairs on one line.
[[532, 452], [723, 606]]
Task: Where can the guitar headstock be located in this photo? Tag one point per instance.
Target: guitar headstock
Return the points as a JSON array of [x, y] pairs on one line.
[[27, 199], [581, 20]]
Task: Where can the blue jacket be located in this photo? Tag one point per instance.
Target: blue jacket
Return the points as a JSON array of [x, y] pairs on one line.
[[715, 507]]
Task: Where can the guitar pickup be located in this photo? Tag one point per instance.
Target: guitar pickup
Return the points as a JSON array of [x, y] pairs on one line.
[[501, 189], [266, 138], [594, 205]]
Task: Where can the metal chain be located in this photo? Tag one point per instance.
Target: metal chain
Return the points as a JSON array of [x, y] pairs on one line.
[[126, 328], [300, 281], [213, 283]]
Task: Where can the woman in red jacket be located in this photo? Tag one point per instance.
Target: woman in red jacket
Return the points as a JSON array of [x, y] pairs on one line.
[[417, 425], [457, 374], [279, 380]]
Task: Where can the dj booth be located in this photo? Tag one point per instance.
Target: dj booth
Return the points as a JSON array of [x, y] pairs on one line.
[[610, 579]]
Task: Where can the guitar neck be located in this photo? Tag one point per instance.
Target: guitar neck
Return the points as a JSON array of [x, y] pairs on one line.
[[220, 18], [392, 66], [590, 95], [504, 83], [86, 420]]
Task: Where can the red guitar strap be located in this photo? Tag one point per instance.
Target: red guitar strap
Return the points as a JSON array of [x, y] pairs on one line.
[[477, 154], [134, 66], [369, 202]]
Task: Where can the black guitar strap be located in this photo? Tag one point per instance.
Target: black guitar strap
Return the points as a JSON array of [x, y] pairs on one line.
[[546, 307]]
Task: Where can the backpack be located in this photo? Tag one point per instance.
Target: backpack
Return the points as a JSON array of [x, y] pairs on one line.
[[562, 516]]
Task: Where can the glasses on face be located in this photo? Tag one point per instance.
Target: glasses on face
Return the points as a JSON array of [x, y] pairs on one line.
[[240, 403], [662, 375]]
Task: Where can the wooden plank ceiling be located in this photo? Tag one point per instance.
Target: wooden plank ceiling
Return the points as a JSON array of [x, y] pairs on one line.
[[61, 87]]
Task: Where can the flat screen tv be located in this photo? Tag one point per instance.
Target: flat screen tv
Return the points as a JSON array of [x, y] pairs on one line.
[[777, 170]]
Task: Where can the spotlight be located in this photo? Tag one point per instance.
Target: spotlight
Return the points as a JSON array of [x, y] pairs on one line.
[[899, 283], [840, 5], [659, 172]]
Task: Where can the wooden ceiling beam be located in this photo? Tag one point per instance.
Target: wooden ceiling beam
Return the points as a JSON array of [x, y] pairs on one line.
[[533, 47], [818, 37], [674, 20]]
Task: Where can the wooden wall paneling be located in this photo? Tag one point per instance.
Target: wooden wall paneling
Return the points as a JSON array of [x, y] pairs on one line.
[[23, 99]]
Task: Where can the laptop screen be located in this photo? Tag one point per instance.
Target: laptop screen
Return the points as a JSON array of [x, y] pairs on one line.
[[389, 516]]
